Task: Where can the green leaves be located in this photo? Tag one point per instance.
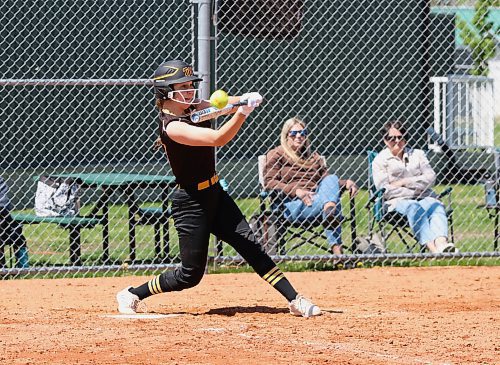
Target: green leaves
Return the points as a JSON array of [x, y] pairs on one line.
[[480, 37]]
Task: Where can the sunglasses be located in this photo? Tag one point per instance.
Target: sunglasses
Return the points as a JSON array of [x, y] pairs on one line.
[[302, 133], [394, 138]]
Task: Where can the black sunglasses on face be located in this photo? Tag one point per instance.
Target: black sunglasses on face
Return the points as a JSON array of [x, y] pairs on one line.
[[302, 133], [394, 138]]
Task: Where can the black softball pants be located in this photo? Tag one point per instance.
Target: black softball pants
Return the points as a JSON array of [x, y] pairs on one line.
[[197, 214]]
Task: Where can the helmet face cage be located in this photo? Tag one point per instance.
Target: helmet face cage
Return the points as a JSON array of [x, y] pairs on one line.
[[171, 73], [194, 99], [167, 93]]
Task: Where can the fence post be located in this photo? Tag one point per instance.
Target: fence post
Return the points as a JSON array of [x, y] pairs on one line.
[[204, 7]]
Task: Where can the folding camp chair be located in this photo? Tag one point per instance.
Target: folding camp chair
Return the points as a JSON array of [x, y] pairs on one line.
[[385, 224], [281, 236]]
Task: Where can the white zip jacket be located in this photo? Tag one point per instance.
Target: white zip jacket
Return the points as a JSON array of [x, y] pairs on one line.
[[414, 169]]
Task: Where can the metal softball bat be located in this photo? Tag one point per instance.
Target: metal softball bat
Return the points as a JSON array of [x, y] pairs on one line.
[[212, 112]]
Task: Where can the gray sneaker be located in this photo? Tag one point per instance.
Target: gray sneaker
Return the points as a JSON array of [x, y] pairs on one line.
[[127, 302], [447, 247], [302, 306]]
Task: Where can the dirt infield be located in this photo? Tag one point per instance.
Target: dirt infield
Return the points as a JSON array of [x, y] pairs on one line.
[[434, 315]]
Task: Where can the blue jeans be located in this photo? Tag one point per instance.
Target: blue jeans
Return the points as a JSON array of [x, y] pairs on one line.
[[427, 218], [328, 190]]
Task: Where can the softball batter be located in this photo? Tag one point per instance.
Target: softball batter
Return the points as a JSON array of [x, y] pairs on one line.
[[200, 206]]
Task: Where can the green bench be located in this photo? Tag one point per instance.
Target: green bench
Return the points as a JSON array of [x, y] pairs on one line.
[[73, 224]]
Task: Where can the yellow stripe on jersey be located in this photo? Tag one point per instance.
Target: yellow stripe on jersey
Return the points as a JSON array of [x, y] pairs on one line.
[[273, 276], [154, 285]]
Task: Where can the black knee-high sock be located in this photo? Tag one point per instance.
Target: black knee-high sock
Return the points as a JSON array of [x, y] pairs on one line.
[[278, 280], [149, 288], [274, 277]]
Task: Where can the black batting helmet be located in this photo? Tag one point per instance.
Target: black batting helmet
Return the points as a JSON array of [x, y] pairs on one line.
[[169, 73]]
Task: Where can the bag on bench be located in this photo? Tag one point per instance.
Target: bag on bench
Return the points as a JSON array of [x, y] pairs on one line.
[[56, 197]]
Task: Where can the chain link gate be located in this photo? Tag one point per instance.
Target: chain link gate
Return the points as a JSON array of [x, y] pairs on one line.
[[76, 100]]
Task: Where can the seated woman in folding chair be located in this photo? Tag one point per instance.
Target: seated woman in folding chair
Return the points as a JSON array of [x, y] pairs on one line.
[[407, 176], [303, 176]]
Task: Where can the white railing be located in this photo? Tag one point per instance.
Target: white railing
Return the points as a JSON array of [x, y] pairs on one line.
[[464, 110]]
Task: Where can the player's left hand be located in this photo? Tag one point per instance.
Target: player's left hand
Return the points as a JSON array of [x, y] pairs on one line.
[[245, 110], [253, 99]]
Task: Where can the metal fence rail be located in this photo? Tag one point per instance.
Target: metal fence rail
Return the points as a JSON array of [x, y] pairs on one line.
[[80, 104]]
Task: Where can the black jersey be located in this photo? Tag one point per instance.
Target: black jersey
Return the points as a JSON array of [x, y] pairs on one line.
[[190, 164]]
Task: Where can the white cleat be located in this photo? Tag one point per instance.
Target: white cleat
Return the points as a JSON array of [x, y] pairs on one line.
[[127, 302], [302, 306]]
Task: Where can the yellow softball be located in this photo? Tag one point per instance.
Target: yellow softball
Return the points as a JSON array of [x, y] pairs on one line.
[[219, 99]]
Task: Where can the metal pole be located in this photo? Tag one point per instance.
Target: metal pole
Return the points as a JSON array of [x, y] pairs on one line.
[[204, 39], [204, 7]]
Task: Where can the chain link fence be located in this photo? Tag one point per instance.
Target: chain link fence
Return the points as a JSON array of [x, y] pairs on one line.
[[77, 105]]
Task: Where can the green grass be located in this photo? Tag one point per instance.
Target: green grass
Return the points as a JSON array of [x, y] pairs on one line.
[[48, 244]]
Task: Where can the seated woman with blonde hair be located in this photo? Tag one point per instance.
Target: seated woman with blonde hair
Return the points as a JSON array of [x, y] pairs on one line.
[[311, 192]]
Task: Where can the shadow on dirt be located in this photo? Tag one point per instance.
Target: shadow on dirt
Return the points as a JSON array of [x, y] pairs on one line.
[[231, 311]]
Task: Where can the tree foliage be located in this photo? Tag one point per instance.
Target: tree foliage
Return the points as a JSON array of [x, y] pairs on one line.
[[481, 38]]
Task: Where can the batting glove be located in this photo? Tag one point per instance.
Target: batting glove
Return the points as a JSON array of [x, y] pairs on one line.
[[245, 110], [253, 99]]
